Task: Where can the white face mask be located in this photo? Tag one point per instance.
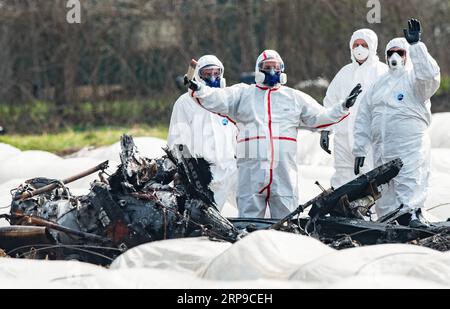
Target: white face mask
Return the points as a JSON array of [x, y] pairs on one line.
[[361, 53], [396, 62]]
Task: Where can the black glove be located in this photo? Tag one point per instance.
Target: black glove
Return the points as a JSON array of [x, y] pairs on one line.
[[359, 162], [414, 31], [191, 84], [325, 141], [351, 99]]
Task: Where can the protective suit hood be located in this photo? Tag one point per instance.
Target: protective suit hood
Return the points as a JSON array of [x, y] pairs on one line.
[[372, 40], [269, 54], [209, 60], [403, 44]]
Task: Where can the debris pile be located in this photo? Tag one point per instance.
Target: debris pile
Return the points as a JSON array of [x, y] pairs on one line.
[[439, 242], [147, 200], [144, 200]]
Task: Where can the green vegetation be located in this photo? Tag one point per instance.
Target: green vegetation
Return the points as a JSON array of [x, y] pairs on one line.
[[445, 85], [44, 126], [70, 141], [46, 117]]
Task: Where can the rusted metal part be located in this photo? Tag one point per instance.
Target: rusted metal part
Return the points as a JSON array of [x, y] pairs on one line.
[[28, 194], [16, 236], [116, 223], [35, 221], [19, 231], [148, 196]]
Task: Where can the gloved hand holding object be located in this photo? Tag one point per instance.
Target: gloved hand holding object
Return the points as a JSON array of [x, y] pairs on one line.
[[205, 134], [189, 80]]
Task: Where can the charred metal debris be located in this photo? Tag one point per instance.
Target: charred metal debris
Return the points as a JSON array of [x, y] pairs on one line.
[[148, 200]]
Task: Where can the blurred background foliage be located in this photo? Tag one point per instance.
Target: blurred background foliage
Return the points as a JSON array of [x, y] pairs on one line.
[[118, 67]]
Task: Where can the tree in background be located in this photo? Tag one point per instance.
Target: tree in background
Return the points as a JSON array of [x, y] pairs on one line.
[[134, 49]]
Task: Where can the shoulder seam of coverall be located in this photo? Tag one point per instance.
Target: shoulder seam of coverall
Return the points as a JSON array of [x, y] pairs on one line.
[[219, 114]]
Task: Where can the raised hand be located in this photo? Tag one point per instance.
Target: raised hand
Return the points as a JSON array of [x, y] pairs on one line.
[[351, 99], [414, 32]]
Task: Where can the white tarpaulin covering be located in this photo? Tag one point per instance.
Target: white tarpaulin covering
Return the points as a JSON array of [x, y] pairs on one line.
[[261, 260], [200, 263]]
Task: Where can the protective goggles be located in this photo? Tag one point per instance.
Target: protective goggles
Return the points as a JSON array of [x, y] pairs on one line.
[[271, 64], [400, 52], [210, 72]]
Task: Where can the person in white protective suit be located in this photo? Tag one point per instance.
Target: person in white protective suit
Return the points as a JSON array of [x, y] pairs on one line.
[[268, 116], [208, 135], [394, 117], [365, 69]]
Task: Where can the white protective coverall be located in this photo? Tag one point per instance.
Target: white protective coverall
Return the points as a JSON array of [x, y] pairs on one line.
[[347, 78], [207, 135], [394, 117], [268, 120]]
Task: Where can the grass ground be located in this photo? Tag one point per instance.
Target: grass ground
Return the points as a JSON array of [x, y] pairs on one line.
[[70, 141]]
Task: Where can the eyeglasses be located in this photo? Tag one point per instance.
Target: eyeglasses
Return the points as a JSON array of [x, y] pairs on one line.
[[400, 52], [208, 72]]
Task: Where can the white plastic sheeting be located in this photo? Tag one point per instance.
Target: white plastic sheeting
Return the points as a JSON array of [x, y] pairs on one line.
[[261, 260], [266, 259], [400, 260], [186, 255], [257, 256]]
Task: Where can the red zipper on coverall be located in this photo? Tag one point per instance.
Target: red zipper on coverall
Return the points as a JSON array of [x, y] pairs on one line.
[[272, 149]]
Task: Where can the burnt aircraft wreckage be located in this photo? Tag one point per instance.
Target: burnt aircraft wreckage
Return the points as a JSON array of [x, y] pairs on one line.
[[148, 200]]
